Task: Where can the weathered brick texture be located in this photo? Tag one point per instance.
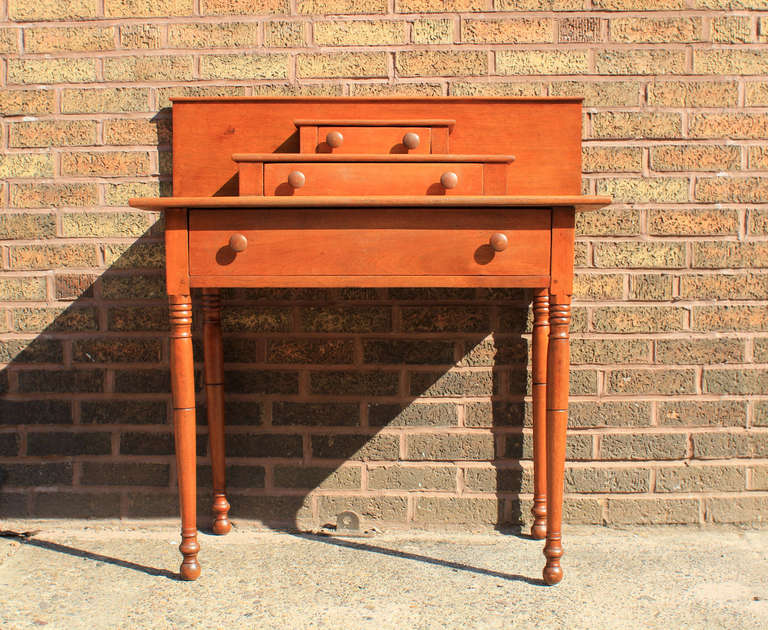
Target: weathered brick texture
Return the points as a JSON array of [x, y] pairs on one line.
[[411, 406]]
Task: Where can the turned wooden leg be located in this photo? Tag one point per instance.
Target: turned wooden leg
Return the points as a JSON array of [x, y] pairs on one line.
[[214, 391], [557, 419], [540, 342], [183, 386]]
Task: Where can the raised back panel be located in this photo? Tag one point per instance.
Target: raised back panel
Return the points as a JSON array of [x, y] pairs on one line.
[[544, 135]]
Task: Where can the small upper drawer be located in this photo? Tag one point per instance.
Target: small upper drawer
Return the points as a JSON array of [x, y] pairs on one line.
[[374, 136]]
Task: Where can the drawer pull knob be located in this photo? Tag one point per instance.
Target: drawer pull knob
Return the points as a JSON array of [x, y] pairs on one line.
[[334, 139], [411, 140], [238, 242], [499, 242], [449, 180], [296, 179]]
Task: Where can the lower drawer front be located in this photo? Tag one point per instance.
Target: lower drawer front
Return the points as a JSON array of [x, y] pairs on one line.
[[373, 178], [368, 242]]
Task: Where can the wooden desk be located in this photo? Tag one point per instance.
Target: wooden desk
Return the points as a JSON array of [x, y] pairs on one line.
[[278, 238]]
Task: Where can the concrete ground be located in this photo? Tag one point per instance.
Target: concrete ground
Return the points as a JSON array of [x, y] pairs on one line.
[[89, 574]]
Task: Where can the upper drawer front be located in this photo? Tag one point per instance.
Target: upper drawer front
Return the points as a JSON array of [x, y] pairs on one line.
[[373, 140], [373, 178], [367, 241]]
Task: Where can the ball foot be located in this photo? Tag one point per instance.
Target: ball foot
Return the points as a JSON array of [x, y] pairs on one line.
[[221, 525], [539, 531], [190, 569], [552, 574]]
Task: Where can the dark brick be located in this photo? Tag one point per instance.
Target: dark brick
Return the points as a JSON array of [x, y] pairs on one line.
[[144, 286], [35, 474], [142, 381], [367, 383], [743, 382], [159, 504], [125, 474], [263, 445], [359, 293], [701, 479], [454, 383], [247, 318], [13, 505], [74, 286], [346, 319], [643, 446], [238, 476], [310, 477], [58, 443], [271, 510], [237, 412], [430, 294], [413, 415], [400, 351], [117, 350], [495, 414], [69, 381], [609, 414], [356, 446], [152, 443], [718, 445], [76, 505], [446, 318], [238, 349], [135, 318], [498, 479], [495, 351], [4, 382], [412, 478], [72, 319], [278, 295], [614, 480], [316, 414], [725, 413], [515, 319], [325, 351], [35, 412], [448, 447], [261, 382], [123, 412], [19, 351]]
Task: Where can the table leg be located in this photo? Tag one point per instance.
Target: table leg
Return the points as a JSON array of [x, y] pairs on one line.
[[183, 386], [557, 419], [540, 342], [214, 391]]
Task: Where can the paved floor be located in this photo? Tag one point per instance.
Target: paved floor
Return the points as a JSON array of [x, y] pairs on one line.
[[93, 575]]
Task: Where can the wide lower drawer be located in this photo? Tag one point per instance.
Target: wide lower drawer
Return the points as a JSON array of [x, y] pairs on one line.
[[373, 178], [369, 242]]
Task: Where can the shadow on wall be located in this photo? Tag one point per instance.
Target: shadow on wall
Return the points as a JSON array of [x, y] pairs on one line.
[[399, 404]]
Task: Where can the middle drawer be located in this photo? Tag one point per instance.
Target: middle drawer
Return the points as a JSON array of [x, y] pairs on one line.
[[354, 178]]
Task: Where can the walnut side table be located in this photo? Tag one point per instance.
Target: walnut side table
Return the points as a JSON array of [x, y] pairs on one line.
[[464, 213]]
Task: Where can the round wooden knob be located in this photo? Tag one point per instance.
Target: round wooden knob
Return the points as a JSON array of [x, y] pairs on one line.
[[411, 140], [449, 179], [499, 242], [334, 139], [296, 179], [238, 242]]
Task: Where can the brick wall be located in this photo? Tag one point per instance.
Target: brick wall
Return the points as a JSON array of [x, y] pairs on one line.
[[388, 401]]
